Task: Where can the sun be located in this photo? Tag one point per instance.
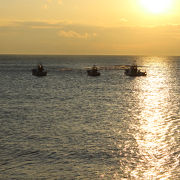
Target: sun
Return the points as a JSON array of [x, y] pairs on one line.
[[156, 6]]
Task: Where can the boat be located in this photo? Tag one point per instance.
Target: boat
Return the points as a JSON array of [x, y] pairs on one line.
[[134, 71], [39, 71], [93, 71]]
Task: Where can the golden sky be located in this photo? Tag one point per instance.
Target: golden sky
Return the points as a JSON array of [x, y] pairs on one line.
[[116, 27]]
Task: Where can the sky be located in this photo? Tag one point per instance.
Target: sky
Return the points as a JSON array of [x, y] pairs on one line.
[[90, 27]]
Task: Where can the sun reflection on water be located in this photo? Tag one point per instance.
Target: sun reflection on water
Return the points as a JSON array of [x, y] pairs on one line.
[[153, 126]]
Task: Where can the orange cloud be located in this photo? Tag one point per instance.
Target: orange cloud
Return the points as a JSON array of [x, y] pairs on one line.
[[48, 2], [73, 34]]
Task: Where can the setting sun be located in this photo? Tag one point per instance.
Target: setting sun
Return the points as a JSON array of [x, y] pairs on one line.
[[156, 6]]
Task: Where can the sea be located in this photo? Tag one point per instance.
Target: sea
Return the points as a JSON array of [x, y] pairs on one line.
[[70, 126]]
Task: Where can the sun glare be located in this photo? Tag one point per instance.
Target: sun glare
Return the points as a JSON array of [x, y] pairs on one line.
[[156, 6]]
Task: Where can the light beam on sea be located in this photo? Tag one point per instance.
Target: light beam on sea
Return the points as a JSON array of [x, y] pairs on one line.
[[152, 130]]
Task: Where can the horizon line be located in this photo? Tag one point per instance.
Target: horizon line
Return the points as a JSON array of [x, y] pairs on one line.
[[39, 54]]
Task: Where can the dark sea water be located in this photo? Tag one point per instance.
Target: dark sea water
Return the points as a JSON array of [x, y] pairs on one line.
[[68, 125]]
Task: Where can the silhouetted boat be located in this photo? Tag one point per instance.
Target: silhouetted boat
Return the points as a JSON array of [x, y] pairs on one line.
[[39, 71], [134, 71], [93, 71]]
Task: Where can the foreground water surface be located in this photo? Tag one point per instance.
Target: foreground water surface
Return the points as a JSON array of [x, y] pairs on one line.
[[68, 125]]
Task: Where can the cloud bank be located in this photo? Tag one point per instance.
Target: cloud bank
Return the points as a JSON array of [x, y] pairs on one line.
[[63, 37]]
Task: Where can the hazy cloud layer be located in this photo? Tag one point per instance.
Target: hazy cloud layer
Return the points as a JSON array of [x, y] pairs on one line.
[[69, 38]]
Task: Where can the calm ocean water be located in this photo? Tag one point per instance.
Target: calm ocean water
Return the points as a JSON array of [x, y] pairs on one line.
[[68, 125]]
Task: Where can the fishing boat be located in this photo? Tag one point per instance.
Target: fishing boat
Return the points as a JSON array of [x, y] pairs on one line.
[[39, 71], [93, 71], [134, 71]]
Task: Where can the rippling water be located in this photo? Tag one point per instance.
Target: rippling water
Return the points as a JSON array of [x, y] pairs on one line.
[[68, 125]]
